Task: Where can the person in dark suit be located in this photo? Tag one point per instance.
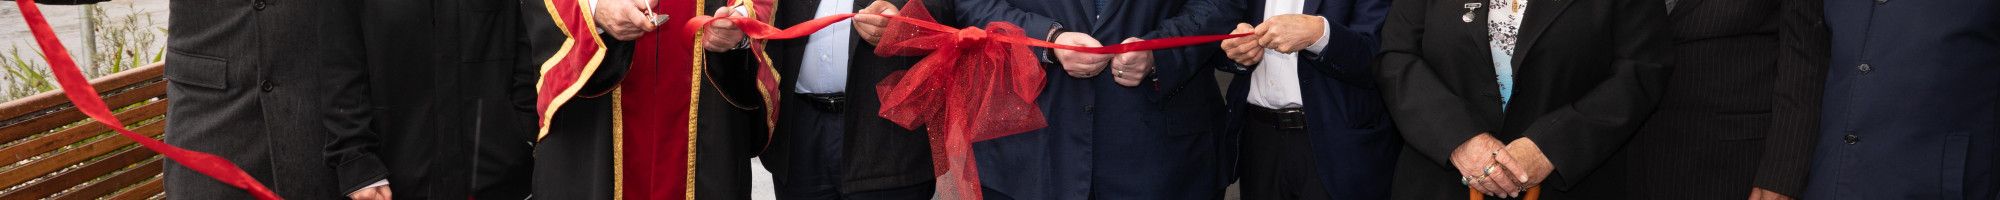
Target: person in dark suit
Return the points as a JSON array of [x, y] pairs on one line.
[[1741, 107], [1305, 104], [1139, 125], [1912, 106], [830, 142], [575, 160], [1589, 72], [249, 82], [442, 119]]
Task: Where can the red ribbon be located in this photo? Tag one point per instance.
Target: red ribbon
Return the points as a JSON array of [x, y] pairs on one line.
[[973, 85], [80, 93]]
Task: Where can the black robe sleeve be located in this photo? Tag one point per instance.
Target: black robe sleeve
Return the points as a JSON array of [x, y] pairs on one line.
[[1803, 48]]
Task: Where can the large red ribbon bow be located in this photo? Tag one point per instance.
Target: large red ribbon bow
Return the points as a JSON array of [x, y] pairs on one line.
[[80, 93], [973, 85]]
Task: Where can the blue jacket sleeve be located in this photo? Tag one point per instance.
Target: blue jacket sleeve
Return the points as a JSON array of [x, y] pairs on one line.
[[1176, 66], [979, 12], [1350, 43]]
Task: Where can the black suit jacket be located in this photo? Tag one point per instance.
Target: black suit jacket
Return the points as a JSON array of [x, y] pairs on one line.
[[436, 110], [1741, 108], [877, 153], [250, 82], [1588, 72]]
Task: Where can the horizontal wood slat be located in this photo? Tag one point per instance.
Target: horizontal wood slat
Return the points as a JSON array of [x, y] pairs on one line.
[[39, 145], [73, 156], [117, 181], [50, 110], [71, 178], [148, 190]]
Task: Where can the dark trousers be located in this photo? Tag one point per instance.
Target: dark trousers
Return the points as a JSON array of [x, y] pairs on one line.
[[912, 192], [804, 158], [1277, 159], [730, 132]]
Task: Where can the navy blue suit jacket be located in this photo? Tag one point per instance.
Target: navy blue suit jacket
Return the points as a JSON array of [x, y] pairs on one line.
[[1105, 141], [1912, 102], [1353, 142]]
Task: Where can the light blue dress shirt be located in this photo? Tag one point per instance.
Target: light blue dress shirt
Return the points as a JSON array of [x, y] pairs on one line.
[[823, 70]]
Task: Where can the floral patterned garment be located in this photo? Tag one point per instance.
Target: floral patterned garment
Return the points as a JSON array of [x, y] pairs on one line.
[[1503, 25]]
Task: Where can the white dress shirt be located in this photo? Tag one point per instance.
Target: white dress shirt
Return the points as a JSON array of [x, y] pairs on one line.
[[1274, 83], [823, 70]]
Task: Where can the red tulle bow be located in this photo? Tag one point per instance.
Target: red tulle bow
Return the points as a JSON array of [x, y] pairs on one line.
[[973, 85]]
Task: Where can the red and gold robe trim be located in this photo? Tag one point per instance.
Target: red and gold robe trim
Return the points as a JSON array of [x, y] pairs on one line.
[[565, 72]]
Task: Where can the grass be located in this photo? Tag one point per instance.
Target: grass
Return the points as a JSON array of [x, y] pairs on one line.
[[124, 42]]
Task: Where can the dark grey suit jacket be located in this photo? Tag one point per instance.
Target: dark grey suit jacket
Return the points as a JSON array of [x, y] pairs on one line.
[[248, 81], [1741, 107]]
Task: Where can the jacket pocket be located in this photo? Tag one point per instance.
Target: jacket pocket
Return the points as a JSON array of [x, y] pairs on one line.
[[197, 70], [1952, 166]]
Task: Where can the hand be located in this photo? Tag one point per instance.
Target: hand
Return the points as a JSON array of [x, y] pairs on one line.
[[1080, 64], [1291, 32], [869, 22], [1473, 159], [1758, 193], [721, 35], [1244, 50], [624, 19], [371, 193], [1131, 68], [1526, 158]]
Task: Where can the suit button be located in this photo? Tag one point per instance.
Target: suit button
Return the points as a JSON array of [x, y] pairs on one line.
[[1880, 2], [259, 5], [1089, 109], [267, 86], [1851, 138], [1864, 68]]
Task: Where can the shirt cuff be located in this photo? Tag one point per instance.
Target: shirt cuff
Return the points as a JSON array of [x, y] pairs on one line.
[[380, 183], [1325, 32]]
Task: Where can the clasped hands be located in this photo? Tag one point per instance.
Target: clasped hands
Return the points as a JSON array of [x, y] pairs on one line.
[[1286, 33], [1503, 170], [1127, 69]]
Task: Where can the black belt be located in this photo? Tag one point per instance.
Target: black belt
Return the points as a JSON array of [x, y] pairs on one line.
[[830, 102], [1289, 118]]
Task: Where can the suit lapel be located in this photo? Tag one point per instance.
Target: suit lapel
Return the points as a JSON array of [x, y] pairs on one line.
[[1540, 14], [1097, 15]]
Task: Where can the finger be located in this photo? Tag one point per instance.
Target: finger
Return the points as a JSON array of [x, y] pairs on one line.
[[722, 12], [386, 193], [637, 19], [1256, 57], [877, 7], [891, 10], [1500, 178], [1242, 28], [1756, 195], [1507, 161], [1486, 187], [1261, 32], [723, 24], [871, 20], [1122, 62]]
